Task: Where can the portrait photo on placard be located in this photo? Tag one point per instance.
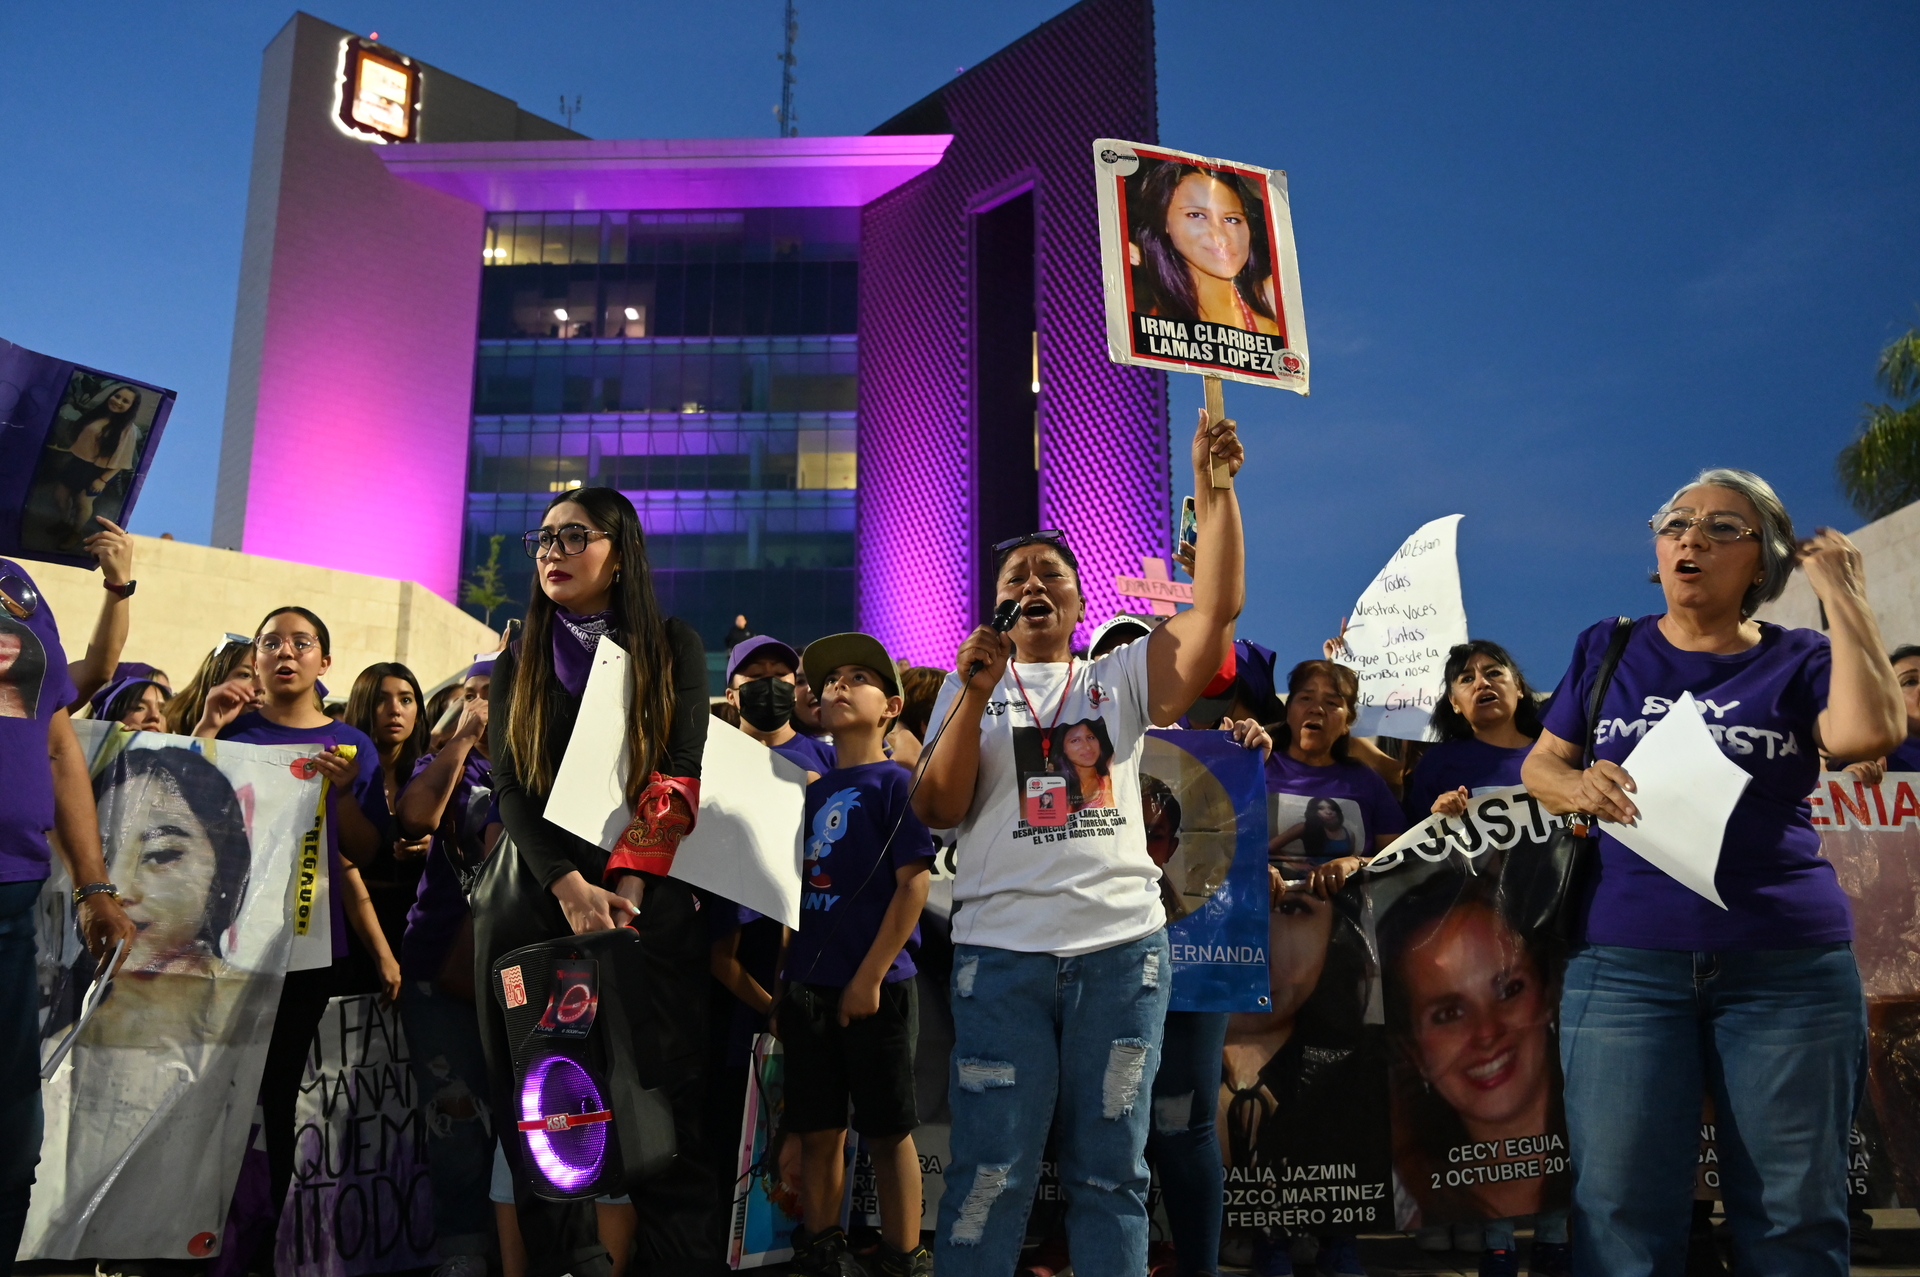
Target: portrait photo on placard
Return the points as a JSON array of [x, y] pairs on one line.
[[1199, 266], [1296, 1107], [1478, 1124], [1315, 828], [1063, 770], [90, 461]]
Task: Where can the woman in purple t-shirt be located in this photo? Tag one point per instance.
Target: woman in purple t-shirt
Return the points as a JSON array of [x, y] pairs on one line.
[[1756, 1002]]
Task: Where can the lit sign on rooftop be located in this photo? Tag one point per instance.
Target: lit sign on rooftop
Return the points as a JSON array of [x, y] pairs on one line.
[[379, 93]]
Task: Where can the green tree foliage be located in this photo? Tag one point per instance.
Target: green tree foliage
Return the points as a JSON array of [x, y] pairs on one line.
[[483, 589], [1880, 470]]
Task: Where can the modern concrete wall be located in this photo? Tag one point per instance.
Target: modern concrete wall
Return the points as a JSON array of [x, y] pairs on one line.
[[350, 390], [1891, 549], [189, 595]]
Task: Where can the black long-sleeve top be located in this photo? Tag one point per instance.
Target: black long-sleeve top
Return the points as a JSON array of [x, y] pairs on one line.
[[548, 850]]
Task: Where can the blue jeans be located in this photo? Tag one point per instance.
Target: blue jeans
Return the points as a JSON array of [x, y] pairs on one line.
[[1183, 1146], [1777, 1037], [1038, 1037], [1549, 1226], [20, 1119], [450, 1087]]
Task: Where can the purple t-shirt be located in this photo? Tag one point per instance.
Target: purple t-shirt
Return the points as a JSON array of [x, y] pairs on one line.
[[1761, 705], [33, 687], [813, 755], [439, 905], [1906, 756], [1338, 809], [1453, 763], [254, 728], [845, 893]]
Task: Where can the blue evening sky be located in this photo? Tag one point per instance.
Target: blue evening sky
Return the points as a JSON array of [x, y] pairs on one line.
[[1555, 258]]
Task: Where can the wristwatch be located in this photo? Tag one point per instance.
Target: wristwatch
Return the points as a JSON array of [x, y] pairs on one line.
[[94, 889], [124, 591]]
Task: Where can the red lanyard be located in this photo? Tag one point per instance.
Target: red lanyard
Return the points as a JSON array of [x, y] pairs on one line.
[[1046, 741]]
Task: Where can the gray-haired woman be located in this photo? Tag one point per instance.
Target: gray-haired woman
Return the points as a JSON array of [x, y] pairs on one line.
[[1757, 1003]]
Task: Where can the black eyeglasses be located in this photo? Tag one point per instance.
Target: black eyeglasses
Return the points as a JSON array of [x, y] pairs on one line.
[[572, 539], [1050, 536], [18, 596]]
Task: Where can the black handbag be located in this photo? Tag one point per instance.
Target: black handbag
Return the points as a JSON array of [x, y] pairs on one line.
[[1541, 895]]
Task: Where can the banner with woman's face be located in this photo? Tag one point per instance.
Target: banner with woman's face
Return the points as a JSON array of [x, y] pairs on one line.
[[1197, 260], [201, 839]]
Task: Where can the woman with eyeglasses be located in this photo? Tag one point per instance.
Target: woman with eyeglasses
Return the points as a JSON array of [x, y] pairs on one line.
[[291, 650], [1756, 1001], [592, 581]]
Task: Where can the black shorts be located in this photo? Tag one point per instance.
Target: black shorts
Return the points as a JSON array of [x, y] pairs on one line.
[[869, 1061]]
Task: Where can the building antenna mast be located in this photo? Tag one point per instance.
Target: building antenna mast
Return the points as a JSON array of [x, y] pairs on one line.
[[568, 112], [784, 114]]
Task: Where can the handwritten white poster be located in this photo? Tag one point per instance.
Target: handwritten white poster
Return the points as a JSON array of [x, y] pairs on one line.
[[1401, 629]]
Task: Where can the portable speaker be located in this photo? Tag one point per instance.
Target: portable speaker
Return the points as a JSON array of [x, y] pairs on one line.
[[587, 1127]]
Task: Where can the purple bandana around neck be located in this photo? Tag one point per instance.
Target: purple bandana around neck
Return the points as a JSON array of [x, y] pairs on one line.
[[574, 639]]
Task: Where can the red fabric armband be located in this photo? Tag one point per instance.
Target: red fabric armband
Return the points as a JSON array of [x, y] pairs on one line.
[[1224, 679], [666, 814]]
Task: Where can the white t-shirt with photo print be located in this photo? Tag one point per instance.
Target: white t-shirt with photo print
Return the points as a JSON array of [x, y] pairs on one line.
[[1080, 879]]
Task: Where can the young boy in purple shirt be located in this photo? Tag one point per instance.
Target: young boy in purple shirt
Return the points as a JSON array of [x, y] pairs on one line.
[[849, 1017]]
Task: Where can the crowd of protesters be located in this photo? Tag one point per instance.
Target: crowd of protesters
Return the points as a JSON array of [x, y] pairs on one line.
[[1057, 967]]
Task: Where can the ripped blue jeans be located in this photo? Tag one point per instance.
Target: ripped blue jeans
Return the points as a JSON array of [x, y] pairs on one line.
[[1040, 1040]]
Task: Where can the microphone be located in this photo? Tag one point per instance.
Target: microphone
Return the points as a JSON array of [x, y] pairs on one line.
[[1003, 620]]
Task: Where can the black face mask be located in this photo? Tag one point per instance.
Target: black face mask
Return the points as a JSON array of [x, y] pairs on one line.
[[766, 703]]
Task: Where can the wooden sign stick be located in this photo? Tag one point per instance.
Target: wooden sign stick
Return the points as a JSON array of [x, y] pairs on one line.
[[1216, 412]]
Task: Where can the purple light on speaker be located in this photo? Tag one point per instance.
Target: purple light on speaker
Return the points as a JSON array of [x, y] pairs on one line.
[[568, 1158]]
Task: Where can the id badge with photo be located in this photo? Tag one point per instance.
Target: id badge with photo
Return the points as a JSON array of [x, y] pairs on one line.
[[1044, 803]]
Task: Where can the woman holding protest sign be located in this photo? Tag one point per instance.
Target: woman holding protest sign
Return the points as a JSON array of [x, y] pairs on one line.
[[592, 579], [1758, 1002], [1325, 807], [1485, 722], [291, 649], [1083, 913]]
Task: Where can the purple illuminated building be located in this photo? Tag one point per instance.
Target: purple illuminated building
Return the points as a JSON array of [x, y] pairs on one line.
[[828, 371]]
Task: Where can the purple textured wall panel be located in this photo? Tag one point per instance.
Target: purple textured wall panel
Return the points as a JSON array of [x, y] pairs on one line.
[[359, 429], [1027, 115]]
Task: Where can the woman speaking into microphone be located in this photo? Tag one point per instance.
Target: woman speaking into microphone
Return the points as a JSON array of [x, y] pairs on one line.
[[1060, 964], [542, 883]]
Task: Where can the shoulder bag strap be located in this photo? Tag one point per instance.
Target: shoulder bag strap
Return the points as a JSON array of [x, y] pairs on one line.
[[1622, 630]]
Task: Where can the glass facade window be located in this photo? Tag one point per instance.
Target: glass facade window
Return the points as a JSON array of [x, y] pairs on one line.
[[703, 363]]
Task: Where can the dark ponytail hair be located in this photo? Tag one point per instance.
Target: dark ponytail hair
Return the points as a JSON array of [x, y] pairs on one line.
[[638, 627]]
